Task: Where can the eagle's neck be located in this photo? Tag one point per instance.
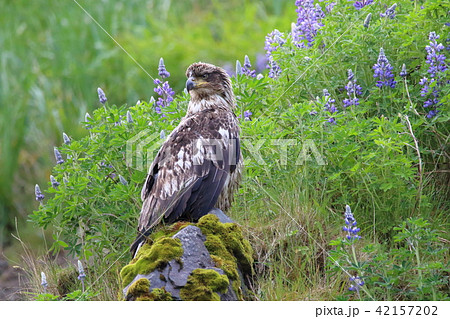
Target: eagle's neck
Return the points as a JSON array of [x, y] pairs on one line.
[[200, 103]]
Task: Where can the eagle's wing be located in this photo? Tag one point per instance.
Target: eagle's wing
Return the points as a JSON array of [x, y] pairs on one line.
[[189, 172]]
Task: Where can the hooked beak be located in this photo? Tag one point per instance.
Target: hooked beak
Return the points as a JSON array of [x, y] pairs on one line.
[[190, 84]]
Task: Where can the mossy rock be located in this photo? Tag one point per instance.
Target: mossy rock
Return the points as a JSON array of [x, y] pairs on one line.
[[203, 261]]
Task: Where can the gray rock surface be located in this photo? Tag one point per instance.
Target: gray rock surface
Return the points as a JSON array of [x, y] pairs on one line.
[[175, 274]]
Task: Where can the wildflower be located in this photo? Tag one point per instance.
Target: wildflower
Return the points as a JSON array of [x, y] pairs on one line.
[[367, 20], [54, 182], [129, 117], [329, 104], [162, 134], [101, 96], [58, 156], [166, 95], [152, 100], [274, 40], [66, 139], [247, 115], [361, 4], [331, 120], [37, 191], [353, 90], [81, 275], [403, 72], [437, 66], [87, 118], [350, 225], [308, 22], [356, 282], [122, 180], [246, 69], [329, 7], [238, 68], [44, 281], [65, 181], [259, 76], [390, 12], [162, 72], [383, 71], [274, 68]]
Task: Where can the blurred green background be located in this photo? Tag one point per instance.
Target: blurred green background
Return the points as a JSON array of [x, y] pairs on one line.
[[53, 57]]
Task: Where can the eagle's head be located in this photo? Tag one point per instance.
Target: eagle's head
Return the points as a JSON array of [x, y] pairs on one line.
[[208, 85]]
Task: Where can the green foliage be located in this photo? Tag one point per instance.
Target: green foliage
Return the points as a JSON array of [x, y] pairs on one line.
[[76, 295], [415, 269], [303, 163]]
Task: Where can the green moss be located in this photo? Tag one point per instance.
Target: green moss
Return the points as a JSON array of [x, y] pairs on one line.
[[203, 285], [151, 257], [228, 248], [140, 290]]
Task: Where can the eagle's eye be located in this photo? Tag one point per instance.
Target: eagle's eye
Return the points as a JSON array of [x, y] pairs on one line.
[[205, 76]]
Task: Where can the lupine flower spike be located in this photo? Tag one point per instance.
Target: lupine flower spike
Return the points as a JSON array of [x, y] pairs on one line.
[[403, 72], [129, 117], [87, 118], [437, 67], [274, 40], [238, 68], [309, 18], [361, 4], [101, 96], [163, 89], [44, 283], [162, 72], [248, 115], [122, 180], [58, 156], [353, 90], [37, 191], [81, 275], [54, 182], [390, 12], [350, 225], [66, 139], [383, 71], [246, 69], [355, 283], [367, 20]]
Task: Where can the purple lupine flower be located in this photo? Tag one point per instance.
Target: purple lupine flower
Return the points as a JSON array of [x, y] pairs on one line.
[[403, 73], [273, 41], [383, 71], [367, 20], [330, 103], [162, 72], [274, 68], [66, 139], [432, 85], [44, 283], [353, 90], [350, 225], [82, 274], [246, 68], [101, 96], [122, 180], [308, 22], [87, 118], [166, 94], [54, 182], [238, 68], [248, 115], [355, 283], [331, 120], [37, 191], [129, 117], [390, 12], [329, 7], [361, 4], [58, 156]]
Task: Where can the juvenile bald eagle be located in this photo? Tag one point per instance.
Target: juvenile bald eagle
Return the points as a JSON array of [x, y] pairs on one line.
[[199, 165]]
